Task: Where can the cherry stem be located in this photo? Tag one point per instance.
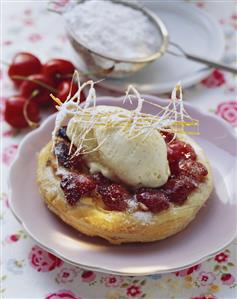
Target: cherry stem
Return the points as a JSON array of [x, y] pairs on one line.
[[32, 124], [50, 88]]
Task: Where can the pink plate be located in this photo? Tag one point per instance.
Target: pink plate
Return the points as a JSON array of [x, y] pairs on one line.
[[212, 230]]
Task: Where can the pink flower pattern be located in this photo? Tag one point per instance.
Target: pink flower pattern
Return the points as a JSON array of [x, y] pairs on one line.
[[9, 153], [35, 37], [209, 296], [42, 260], [66, 275], [188, 271], [216, 79], [206, 278], [227, 278], [7, 43], [221, 257], [113, 281], [64, 294], [28, 22], [88, 276], [228, 111], [12, 238], [134, 291], [8, 133]]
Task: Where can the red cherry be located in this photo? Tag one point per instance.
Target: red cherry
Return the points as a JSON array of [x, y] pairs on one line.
[[14, 115], [23, 64], [42, 97], [58, 69], [64, 89]]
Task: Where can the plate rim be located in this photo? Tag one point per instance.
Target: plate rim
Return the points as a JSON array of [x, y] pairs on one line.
[[108, 271], [104, 269]]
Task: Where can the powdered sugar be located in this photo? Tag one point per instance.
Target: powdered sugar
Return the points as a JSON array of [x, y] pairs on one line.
[[132, 205], [62, 171], [48, 173], [113, 29], [143, 217]]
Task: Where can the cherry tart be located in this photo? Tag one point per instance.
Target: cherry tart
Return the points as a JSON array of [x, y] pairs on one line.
[[97, 206]]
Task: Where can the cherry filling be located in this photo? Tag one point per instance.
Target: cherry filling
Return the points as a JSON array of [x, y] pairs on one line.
[[178, 188], [194, 169], [66, 158], [114, 196], [62, 132], [100, 179], [75, 186], [176, 151], [186, 174], [153, 200]]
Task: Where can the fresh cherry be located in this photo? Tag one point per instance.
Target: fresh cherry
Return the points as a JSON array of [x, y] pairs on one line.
[[14, 114], [39, 84], [23, 64], [64, 88], [58, 69]]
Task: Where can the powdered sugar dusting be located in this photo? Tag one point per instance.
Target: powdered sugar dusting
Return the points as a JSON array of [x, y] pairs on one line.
[[143, 217], [48, 173], [132, 205], [62, 171]]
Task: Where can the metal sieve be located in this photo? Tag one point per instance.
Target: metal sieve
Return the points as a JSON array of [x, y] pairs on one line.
[[111, 66]]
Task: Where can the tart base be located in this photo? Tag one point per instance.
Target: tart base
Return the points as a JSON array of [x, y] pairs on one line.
[[120, 227]]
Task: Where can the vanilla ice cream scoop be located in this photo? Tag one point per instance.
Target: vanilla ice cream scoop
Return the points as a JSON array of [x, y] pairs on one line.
[[137, 161]]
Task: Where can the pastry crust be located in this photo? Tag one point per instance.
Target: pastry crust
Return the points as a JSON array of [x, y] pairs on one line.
[[120, 227]]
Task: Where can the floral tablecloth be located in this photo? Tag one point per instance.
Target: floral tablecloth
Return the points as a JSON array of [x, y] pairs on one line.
[[30, 272]]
